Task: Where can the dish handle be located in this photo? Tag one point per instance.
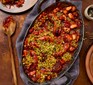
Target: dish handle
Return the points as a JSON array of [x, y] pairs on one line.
[[69, 79], [40, 2], [59, 0], [66, 79]]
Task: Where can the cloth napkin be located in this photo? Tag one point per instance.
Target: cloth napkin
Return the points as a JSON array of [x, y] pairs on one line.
[[69, 77]]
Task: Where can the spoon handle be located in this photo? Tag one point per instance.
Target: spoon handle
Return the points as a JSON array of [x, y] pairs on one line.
[[12, 61]]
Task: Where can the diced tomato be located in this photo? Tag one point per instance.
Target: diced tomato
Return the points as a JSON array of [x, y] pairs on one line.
[[66, 29], [35, 59], [25, 52], [36, 32], [48, 77], [31, 30], [66, 46], [73, 25], [41, 31], [58, 54], [46, 38], [62, 61], [34, 44], [32, 73], [78, 22], [19, 3], [74, 36], [67, 24], [67, 37], [32, 53], [32, 67], [72, 48], [57, 67], [78, 37], [42, 70]]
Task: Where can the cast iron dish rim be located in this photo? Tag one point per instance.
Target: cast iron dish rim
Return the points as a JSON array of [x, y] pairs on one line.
[[80, 42]]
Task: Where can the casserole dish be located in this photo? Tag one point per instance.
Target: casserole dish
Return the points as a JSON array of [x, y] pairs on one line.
[[68, 65]]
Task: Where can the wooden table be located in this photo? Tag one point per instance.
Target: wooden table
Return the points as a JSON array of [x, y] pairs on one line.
[[5, 63]]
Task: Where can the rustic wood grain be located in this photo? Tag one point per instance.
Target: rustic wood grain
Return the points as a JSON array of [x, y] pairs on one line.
[[5, 61]]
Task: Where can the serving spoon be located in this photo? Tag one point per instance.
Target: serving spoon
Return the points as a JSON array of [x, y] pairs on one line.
[[9, 31]]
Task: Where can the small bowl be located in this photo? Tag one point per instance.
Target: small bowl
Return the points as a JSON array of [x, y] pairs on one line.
[[86, 12]]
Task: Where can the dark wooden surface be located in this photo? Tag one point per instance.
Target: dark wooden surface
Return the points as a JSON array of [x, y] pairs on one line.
[[5, 63]]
